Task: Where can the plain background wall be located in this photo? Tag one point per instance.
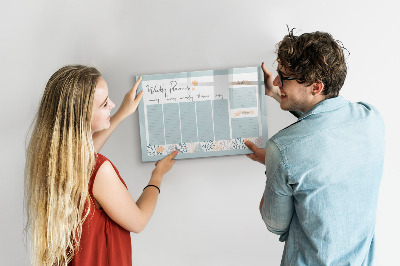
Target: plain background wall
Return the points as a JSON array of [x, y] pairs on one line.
[[208, 208]]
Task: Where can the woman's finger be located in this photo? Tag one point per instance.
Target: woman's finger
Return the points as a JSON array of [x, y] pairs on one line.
[[136, 85], [138, 97]]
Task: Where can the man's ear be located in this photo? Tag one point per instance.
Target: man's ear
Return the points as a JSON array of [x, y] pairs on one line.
[[317, 88]]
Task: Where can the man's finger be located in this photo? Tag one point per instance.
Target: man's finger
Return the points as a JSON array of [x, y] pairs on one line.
[[265, 70], [251, 156], [251, 146]]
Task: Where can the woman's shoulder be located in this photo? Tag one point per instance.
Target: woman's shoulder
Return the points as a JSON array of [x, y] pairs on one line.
[[102, 164], [99, 161], [105, 167]]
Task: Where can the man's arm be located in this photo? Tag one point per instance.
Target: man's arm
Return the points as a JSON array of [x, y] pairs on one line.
[[270, 89], [261, 203], [276, 211], [277, 205], [274, 91]]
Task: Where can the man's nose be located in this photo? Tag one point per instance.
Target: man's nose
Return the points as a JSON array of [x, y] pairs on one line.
[[277, 81]]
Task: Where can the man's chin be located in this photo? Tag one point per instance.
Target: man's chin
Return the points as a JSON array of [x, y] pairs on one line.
[[285, 108]]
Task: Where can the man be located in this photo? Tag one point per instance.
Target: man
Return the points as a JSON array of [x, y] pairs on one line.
[[323, 171]]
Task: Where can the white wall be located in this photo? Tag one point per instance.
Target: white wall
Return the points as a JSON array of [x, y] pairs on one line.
[[208, 208]]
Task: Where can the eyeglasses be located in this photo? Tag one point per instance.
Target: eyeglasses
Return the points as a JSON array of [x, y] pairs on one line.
[[282, 78]]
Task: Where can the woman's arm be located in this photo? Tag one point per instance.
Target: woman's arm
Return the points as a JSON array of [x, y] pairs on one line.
[[116, 201], [128, 107]]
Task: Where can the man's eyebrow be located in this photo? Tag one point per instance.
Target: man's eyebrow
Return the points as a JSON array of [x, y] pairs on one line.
[[283, 74]]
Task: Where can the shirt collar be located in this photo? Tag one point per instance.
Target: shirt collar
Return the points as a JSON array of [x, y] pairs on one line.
[[325, 106]]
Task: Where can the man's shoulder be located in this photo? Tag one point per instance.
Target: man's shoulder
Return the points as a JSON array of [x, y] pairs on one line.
[[326, 121], [367, 108], [367, 114], [288, 135]]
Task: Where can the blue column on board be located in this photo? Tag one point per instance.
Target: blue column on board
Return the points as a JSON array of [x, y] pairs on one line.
[[221, 119], [243, 97], [245, 127], [240, 98], [171, 123], [188, 122], [155, 124], [204, 121]]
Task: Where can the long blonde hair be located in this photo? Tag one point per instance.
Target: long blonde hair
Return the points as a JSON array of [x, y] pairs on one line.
[[59, 161]]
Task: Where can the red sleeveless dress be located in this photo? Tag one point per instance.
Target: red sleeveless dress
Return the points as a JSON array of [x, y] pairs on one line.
[[103, 241]]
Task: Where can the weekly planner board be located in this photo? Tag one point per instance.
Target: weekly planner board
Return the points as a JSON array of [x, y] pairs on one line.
[[202, 113]]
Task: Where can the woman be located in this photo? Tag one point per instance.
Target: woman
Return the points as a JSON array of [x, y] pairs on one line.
[[78, 207]]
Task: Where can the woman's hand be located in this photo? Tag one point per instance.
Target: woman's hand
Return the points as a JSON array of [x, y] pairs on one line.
[[131, 101], [270, 89], [128, 107], [163, 166]]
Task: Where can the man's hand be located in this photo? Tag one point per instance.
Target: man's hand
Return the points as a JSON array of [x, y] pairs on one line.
[[258, 155], [270, 89]]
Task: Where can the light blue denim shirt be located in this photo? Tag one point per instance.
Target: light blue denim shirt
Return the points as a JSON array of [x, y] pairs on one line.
[[323, 176]]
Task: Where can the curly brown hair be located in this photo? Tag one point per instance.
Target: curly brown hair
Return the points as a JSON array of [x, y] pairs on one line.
[[314, 57]]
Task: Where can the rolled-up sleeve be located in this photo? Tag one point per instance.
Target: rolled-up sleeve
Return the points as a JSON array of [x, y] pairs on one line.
[[277, 209]]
